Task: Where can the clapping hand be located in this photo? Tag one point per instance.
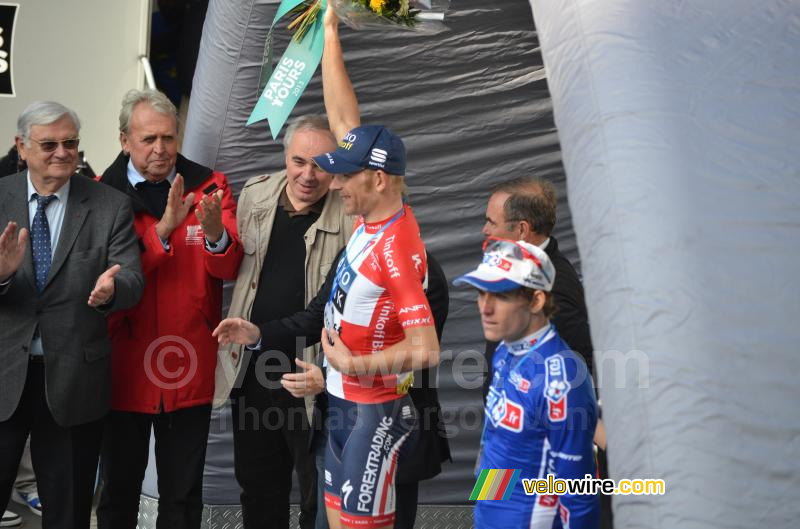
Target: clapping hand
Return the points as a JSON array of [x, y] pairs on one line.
[[176, 210], [104, 288], [209, 213], [12, 250]]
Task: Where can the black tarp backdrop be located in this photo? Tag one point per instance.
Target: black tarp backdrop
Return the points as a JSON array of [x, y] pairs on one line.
[[473, 107]]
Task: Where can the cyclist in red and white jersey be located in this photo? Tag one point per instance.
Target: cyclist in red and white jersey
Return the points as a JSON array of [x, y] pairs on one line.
[[378, 325]]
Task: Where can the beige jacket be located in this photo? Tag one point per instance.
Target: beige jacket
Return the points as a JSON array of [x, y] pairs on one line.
[[255, 216]]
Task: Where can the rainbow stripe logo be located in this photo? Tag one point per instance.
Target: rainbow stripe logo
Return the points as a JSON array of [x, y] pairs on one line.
[[495, 484]]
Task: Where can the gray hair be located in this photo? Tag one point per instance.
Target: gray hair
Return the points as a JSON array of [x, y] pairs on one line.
[[307, 122], [43, 113], [154, 98], [532, 199]]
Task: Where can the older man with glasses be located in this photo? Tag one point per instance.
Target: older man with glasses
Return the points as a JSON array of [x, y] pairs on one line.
[[83, 263]]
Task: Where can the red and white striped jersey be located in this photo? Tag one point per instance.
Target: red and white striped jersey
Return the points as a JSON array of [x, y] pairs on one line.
[[378, 292]]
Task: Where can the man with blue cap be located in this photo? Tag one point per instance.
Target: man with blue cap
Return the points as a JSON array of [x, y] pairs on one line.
[[540, 410], [378, 323]]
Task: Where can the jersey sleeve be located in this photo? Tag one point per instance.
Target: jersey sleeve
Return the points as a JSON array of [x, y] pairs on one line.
[[404, 264], [570, 410]]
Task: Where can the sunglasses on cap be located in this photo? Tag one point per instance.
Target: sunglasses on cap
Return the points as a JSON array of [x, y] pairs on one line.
[[51, 145], [509, 248]]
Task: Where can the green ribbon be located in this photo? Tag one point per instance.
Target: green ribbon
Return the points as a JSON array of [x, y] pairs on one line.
[[292, 73]]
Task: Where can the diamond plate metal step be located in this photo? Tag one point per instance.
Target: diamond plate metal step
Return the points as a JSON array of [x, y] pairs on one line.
[[230, 516]]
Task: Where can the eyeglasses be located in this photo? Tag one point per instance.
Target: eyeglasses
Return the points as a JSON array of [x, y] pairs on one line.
[[51, 145]]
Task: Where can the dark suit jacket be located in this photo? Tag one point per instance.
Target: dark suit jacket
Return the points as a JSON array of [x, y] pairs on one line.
[[432, 447], [97, 233], [570, 319]]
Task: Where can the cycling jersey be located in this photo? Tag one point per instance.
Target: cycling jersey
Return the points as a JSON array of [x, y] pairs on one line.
[[377, 293], [365, 444], [541, 415]]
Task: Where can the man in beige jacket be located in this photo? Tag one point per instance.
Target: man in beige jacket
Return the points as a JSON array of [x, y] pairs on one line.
[[292, 228]]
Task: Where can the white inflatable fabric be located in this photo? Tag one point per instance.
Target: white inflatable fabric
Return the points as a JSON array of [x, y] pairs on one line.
[[679, 124]]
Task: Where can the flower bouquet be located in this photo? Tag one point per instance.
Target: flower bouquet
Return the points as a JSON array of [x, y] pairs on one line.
[[359, 14]]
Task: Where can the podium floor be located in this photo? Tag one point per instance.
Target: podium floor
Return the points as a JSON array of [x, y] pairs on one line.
[[230, 516]]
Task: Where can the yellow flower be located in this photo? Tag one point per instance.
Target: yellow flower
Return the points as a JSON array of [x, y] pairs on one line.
[[377, 5]]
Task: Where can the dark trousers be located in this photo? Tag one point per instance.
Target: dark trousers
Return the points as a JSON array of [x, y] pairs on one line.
[[64, 458], [270, 437], [405, 506], [606, 515], [181, 438]]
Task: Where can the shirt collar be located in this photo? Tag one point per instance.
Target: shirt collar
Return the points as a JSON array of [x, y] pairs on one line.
[[135, 177], [61, 194], [523, 345], [544, 244], [288, 207]]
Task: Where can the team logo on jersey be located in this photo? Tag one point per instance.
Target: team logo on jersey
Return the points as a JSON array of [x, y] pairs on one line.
[[522, 384], [347, 488], [556, 388], [548, 500], [345, 277], [564, 512], [504, 412]]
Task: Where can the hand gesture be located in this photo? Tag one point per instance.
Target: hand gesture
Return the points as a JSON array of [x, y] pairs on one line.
[[104, 288], [177, 209], [209, 213], [12, 250], [337, 353], [309, 381], [237, 330], [331, 19]]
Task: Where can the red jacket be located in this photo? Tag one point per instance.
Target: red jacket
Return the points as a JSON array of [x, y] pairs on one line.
[[163, 353]]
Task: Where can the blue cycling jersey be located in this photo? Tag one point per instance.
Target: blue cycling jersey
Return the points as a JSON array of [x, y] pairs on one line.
[[541, 415]]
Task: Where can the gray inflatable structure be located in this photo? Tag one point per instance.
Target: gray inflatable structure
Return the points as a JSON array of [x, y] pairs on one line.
[[678, 122]]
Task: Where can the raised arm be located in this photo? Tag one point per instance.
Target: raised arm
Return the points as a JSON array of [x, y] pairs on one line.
[[340, 97]]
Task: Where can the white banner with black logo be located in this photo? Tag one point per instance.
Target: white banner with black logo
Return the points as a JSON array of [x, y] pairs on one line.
[[8, 16]]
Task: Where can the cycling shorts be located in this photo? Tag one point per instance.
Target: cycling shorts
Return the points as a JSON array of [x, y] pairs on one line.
[[365, 444]]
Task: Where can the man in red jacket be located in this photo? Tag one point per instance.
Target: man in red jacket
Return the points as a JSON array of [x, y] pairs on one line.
[[164, 356]]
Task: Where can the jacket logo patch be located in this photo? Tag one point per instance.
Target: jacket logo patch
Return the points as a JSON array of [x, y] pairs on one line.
[[194, 235]]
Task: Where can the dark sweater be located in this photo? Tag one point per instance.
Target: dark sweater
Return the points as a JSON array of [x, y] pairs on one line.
[[281, 285]]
